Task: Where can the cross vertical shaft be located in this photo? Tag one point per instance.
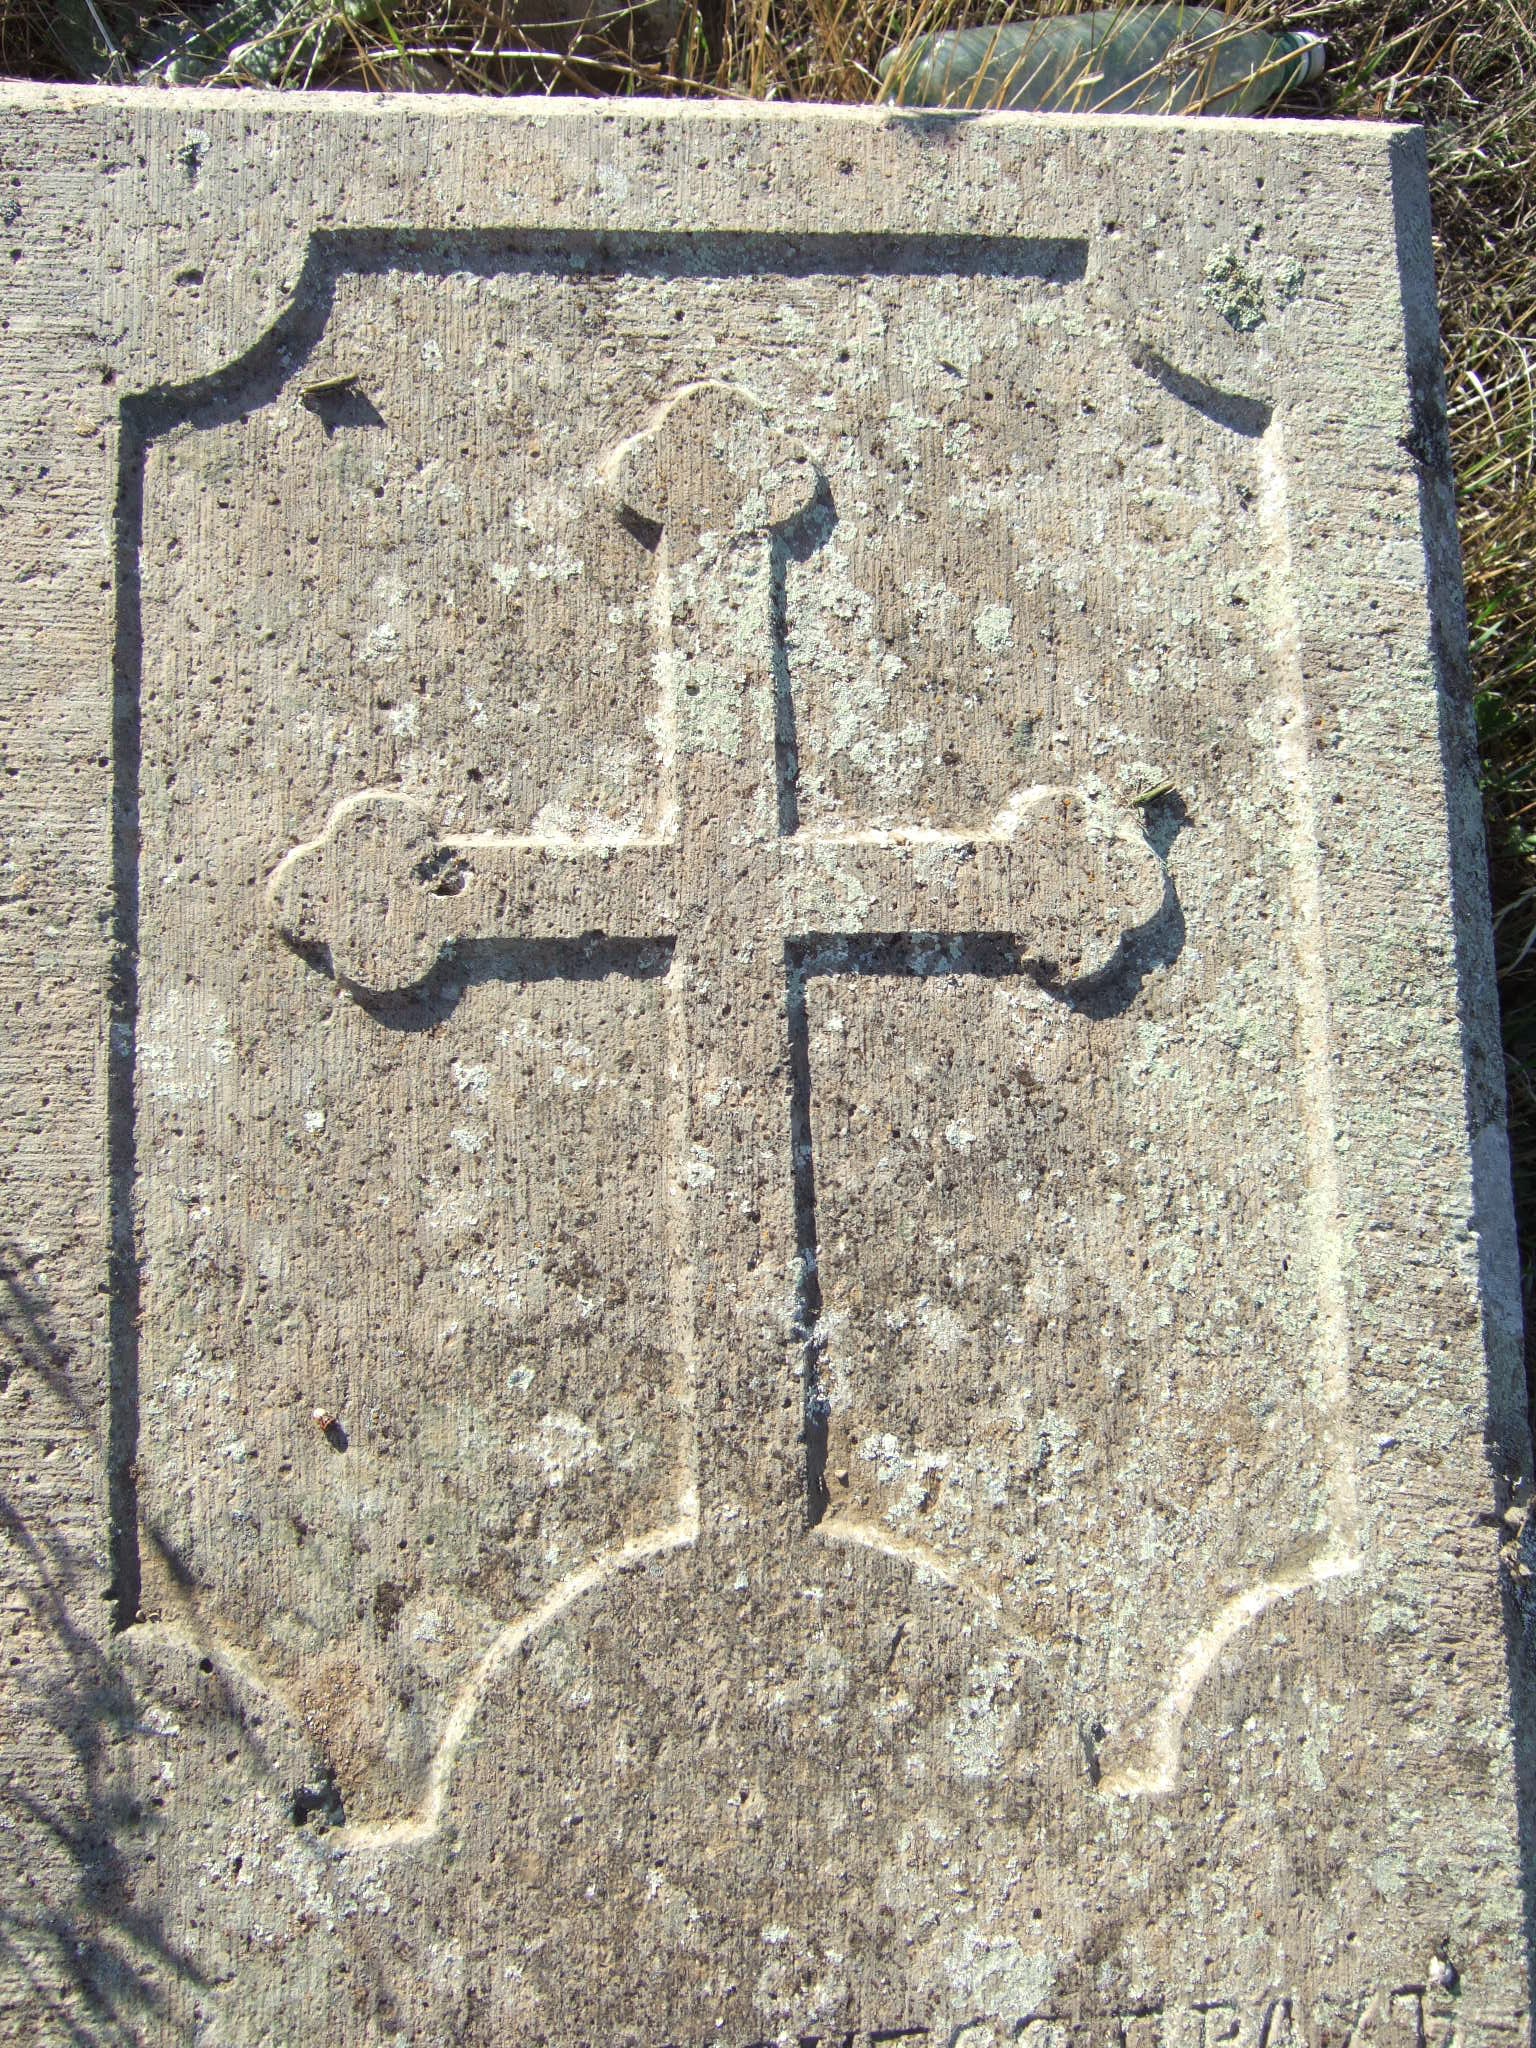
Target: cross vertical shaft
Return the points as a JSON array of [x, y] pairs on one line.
[[720, 483]]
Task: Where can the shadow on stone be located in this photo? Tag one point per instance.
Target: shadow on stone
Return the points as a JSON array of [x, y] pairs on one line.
[[89, 1961], [472, 963]]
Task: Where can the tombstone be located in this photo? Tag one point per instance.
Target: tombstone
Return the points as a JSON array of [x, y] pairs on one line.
[[758, 1232]]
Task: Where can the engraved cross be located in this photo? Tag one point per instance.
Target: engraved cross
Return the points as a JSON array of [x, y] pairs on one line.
[[734, 883]]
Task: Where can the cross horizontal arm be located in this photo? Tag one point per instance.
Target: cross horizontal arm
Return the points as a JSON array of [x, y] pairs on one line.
[[1055, 872], [384, 895]]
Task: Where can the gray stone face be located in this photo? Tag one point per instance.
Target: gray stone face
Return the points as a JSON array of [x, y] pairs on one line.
[[756, 1211]]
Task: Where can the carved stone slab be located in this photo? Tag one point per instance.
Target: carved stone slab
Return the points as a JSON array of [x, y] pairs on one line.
[[756, 1213]]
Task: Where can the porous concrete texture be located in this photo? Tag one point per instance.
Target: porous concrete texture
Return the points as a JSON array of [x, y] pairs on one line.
[[756, 1216]]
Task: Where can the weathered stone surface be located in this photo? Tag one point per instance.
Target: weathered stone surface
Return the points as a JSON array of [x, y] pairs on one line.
[[751, 1351]]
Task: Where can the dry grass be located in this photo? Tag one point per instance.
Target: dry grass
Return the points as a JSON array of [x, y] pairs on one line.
[[1467, 68]]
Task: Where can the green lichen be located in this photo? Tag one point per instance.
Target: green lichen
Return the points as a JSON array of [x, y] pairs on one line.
[[1289, 279], [1236, 292]]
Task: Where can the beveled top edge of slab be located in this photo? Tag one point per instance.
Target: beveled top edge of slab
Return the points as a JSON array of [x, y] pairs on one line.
[[27, 94]]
